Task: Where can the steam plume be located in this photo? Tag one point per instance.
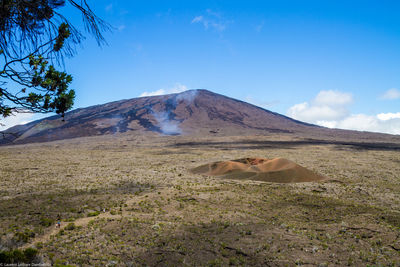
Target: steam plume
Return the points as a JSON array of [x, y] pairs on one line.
[[165, 119], [167, 126]]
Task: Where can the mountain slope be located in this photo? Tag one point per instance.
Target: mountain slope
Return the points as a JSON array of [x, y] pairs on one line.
[[194, 112]]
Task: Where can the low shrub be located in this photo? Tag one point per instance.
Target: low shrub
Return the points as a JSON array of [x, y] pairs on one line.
[[46, 222], [71, 226], [17, 256], [93, 213]]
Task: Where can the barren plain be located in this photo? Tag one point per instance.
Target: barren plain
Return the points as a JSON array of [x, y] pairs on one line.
[[131, 200]]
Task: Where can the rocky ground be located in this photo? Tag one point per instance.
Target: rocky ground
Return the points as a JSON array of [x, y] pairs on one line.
[[131, 200]]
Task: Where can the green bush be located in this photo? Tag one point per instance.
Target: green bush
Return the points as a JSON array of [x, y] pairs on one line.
[[70, 226], [39, 245], [4, 257], [30, 254], [62, 265], [46, 222], [18, 256], [93, 214], [24, 236]]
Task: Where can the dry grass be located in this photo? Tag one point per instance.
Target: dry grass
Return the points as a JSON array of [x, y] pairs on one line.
[[158, 213]]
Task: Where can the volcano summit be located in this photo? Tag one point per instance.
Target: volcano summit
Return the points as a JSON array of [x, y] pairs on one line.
[[193, 112]]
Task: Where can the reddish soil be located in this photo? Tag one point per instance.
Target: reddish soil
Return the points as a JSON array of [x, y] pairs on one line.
[[278, 170]]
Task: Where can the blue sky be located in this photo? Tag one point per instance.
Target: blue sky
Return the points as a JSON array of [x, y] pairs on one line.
[[334, 63]]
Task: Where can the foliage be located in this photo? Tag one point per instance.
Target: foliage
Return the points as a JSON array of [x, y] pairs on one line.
[[93, 213], [24, 236], [34, 39], [71, 226], [46, 221], [27, 255]]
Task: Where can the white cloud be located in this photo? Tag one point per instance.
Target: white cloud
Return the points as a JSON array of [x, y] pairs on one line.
[[178, 88], [362, 122], [333, 98], [331, 109], [212, 20], [313, 113], [388, 116], [328, 124], [197, 19], [391, 94], [15, 119], [326, 106], [158, 92]]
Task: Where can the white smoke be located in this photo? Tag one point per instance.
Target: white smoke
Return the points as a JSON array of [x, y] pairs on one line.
[[187, 96], [167, 126]]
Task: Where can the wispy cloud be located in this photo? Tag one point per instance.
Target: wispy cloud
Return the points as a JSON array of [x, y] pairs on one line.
[[177, 88], [121, 27], [331, 109], [213, 13], [259, 27], [109, 7], [391, 94], [212, 20], [197, 19]]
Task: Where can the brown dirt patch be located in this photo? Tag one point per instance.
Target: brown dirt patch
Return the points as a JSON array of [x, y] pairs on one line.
[[277, 170]]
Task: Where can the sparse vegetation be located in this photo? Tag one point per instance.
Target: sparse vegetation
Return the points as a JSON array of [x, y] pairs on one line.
[[156, 217], [18, 256], [93, 213], [70, 227]]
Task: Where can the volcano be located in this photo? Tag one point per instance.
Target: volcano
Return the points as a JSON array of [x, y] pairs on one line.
[[193, 112]]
